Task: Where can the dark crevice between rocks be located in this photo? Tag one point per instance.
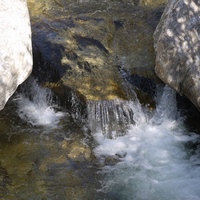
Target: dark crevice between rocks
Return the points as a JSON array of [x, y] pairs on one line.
[[47, 65], [190, 112], [145, 88], [154, 17], [144, 84]]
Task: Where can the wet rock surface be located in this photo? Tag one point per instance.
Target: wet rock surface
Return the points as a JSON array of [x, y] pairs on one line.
[[83, 45], [177, 48]]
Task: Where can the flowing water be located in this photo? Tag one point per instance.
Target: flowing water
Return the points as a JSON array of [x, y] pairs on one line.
[[157, 158], [36, 106], [44, 152], [125, 152]]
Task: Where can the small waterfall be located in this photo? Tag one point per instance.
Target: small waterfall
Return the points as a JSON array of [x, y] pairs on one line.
[[36, 106], [144, 156], [155, 159], [166, 106], [113, 117]]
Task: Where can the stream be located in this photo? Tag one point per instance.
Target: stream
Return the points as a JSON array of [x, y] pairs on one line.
[[121, 152]]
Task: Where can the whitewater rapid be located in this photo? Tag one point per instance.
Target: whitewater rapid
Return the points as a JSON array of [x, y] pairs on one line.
[[156, 159], [36, 105], [152, 156]]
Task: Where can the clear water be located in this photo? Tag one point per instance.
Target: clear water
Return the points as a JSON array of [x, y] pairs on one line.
[[138, 155]]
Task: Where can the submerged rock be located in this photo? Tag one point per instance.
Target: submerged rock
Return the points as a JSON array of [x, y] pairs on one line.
[[16, 49], [85, 44], [44, 166], [177, 40]]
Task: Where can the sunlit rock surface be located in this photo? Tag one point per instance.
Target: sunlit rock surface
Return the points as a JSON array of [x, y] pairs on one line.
[[16, 50], [153, 3], [177, 44], [89, 45]]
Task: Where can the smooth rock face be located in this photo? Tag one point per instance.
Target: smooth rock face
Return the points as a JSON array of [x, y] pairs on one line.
[[16, 49], [177, 44]]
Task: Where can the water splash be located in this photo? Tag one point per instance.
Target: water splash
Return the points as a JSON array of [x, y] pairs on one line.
[[36, 106], [156, 158], [113, 117], [166, 106]]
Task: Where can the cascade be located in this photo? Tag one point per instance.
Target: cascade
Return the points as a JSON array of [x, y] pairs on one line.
[[153, 158], [143, 155], [111, 117]]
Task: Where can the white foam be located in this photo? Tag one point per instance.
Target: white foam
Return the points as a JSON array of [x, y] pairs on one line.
[[154, 160], [37, 107]]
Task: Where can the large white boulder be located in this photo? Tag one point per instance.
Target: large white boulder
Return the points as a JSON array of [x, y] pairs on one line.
[[15, 47]]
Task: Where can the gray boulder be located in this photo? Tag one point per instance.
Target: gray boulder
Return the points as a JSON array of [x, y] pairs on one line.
[[16, 49], [177, 45]]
